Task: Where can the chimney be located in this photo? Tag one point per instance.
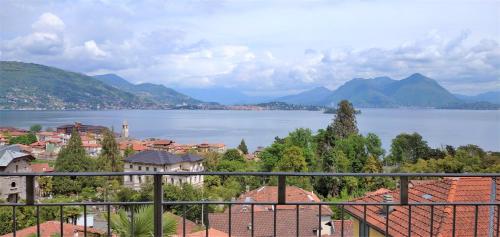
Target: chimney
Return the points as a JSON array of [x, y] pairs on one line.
[[386, 210], [247, 188]]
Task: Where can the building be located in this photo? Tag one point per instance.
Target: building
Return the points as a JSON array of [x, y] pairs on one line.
[[162, 161], [206, 147], [53, 228], [449, 190], [13, 160], [124, 133], [286, 215], [81, 128], [161, 145]]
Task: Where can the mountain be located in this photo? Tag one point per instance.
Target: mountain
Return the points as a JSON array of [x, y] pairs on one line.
[[154, 92], [491, 97], [226, 96], [34, 86], [315, 96], [413, 91]]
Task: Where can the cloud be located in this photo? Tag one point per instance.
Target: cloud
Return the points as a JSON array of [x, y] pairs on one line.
[[48, 22]]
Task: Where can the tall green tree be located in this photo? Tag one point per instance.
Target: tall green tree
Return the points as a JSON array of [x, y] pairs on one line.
[[293, 161], [110, 158], [23, 139], [233, 155], [243, 147], [72, 158], [345, 123]]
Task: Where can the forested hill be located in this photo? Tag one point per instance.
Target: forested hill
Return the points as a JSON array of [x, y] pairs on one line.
[[157, 93]]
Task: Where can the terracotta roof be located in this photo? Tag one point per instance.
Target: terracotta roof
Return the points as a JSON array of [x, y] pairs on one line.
[[264, 223], [465, 189], [270, 194], [39, 144], [45, 133], [91, 145], [337, 228], [162, 142], [50, 228], [41, 167], [211, 232], [190, 226]]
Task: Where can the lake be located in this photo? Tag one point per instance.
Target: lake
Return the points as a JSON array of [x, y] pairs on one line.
[[258, 128]]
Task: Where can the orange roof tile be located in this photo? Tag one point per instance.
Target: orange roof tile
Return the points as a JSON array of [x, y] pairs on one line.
[[211, 232], [50, 228], [464, 189], [41, 167]]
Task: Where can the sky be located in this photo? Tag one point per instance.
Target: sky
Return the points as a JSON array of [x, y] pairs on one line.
[[260, 47]]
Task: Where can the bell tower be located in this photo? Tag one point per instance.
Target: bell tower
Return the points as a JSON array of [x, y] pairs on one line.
[[124, 129]]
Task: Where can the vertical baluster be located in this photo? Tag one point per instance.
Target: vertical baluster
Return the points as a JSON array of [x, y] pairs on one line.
[[158, 205], [364, 221], [476, 210], [85, 220], [132, 221], [274, 220], [454, 221], [61, 216], [387, 221], [184, 220], [252, 221], [297, 221], [230, 224], [498, 220], [14, 221], [342, 221], [205, 216], [38, 221], [108, 217], [319, 220]]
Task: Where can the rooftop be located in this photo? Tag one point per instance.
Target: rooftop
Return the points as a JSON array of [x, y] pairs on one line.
[[161, 158]]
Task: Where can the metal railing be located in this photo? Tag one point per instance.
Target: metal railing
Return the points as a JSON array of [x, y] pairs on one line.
[[159, 204]]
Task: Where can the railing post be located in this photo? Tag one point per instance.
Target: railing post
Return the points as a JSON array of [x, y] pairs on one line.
[[281, 189], [158, 205], [403, 190], [30, 190]]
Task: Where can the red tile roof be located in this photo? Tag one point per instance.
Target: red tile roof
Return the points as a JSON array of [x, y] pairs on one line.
[[50, 228], [264, 223], [39, 144], [190, 226], [211, 232], [465, 189], [41, 167], [270, 194]]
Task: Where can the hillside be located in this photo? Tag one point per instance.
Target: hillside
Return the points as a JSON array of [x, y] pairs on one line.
[[381, 92], [491, 97], [226, 96], [34, 86], [157, 93]]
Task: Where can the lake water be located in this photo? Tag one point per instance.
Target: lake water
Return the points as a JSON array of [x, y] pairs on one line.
[[258, 128]]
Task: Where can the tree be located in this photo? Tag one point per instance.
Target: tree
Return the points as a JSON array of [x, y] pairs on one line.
[[374, 145], [72, 158], [293, 161], [143, 223], [35, 128], [303, 138], [233, 155], [344, 123], [408, 148], [128, 152], [23, 139], [243, 147], [110, 158]]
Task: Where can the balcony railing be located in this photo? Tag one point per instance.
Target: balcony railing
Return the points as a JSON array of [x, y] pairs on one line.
[[160, 204]]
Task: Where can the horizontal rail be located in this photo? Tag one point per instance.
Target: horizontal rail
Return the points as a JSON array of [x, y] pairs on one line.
[[257, 203], [188, 173]]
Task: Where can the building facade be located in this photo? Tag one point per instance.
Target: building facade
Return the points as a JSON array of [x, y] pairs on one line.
[[162, 161], [13, 160]]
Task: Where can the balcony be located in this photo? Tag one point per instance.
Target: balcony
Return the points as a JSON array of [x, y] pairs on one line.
[[378, 215]]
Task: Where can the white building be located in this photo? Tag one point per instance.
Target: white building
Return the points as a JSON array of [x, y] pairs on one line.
[[12, 160], [162, 161]]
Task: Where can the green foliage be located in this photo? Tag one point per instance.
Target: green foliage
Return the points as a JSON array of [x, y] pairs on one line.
[[233, 155], [293, 161], [73, 158], [35, 128], [185, 192], [243, 147], [128, 152], [110, 159], [143, 223], [344, 123], [407, 148], [26, 139]]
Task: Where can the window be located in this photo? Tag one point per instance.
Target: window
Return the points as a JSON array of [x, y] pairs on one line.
[[140, 178], [17, 168], [140, 167], [147, 168], [131, 178], [154, 169], [131, 166], [13, 184], [172, 180]]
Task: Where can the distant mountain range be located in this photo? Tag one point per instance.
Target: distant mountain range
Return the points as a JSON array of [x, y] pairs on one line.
[[383, 92], [157, 93], [34, 86]]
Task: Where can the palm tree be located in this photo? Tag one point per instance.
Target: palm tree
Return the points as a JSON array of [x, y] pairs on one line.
[[143, 223]]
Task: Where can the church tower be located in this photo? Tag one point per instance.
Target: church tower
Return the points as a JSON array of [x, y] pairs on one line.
[[125, 129]]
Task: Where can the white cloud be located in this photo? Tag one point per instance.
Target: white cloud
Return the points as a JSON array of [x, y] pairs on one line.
[[48, 22]]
